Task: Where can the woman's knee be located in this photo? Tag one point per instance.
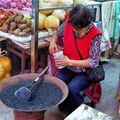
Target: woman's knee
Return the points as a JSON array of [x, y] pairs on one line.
[[72, 88]]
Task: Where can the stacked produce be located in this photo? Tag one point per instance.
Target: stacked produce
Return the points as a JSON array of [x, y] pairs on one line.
[[17, 25], [4, 16], [24, 5], [66, 2], [51, 19], [80, 1]]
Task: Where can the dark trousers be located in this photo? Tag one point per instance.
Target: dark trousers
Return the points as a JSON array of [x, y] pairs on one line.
[[76, 82]]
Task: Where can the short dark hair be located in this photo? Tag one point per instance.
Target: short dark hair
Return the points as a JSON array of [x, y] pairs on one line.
[[80, 16]]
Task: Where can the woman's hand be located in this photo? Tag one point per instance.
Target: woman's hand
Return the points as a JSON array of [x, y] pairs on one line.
[[53, 44], [53, 48], [62, 61]]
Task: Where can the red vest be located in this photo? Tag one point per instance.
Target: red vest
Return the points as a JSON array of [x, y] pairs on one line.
[[83, 44]]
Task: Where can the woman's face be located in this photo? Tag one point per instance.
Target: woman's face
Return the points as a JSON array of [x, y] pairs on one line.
[[83, 30]]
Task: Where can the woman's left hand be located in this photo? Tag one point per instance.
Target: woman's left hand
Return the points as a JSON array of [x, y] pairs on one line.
[[62, 61]]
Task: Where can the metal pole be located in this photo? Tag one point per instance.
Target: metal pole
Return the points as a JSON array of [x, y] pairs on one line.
[[34, 39]]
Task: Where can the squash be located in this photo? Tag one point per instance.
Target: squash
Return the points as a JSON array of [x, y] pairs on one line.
[[6, 63], [7, 75], [2, 71], [65, 2], [46, 4], [80, 1], [54, 2], [52, 21], [41, 24], [59, 13], [5, 67]]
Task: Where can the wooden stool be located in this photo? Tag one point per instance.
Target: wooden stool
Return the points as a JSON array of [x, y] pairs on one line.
[[19, 51]]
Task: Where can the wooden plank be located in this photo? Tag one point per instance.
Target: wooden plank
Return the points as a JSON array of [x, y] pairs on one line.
[[84, 112]]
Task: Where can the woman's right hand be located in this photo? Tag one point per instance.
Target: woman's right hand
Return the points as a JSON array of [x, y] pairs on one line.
[[53, 44], [53, 48]]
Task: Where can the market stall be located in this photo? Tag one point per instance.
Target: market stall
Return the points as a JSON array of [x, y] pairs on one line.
[[38, 11], [32, 40]]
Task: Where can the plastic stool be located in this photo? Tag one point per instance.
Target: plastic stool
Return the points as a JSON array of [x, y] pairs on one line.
[[93, 92]]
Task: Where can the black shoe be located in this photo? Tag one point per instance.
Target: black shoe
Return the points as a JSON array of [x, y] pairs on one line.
[[63, 109]]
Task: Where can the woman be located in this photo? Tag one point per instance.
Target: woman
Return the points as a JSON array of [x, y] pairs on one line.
[[80, 36]]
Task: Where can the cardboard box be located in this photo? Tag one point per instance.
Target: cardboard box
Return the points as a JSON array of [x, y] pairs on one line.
[[118, 49], [105, 53]]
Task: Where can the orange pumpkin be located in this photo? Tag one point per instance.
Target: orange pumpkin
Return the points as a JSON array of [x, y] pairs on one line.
[[2, 71], [7, 75], [6, 63], [5, 67]]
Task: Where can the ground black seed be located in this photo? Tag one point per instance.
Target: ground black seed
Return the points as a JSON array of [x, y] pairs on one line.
[[43, 96]]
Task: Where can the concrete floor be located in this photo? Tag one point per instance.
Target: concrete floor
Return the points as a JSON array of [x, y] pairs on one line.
[[108, 104]]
